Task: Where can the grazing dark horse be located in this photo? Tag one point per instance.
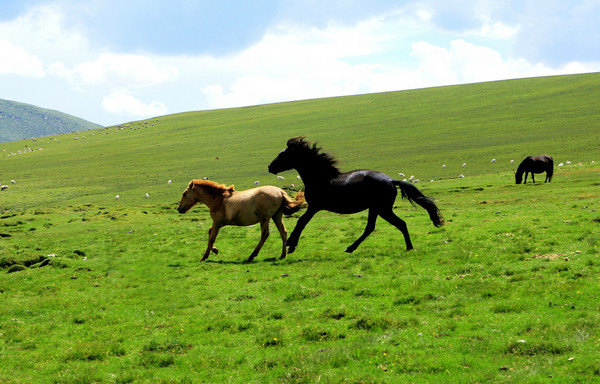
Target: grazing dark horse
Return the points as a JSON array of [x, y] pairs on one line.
[[327, 188], [533, 165]]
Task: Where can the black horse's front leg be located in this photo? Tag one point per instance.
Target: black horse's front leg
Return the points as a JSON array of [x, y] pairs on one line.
[[292, 241], [368, 230]]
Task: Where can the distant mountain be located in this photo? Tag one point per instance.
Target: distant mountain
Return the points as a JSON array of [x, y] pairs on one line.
[[22, 121]]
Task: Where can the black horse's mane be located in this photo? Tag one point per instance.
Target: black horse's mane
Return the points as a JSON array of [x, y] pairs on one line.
[[323, 162]]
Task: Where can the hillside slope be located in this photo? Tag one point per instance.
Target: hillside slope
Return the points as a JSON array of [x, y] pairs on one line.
[[20, 121], [414, 132]]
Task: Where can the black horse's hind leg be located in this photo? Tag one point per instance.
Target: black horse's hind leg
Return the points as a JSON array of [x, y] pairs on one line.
[[389, 216], [532, 177], [368, 230], [292, 241]]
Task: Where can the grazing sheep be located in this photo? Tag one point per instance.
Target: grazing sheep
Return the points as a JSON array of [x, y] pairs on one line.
[[298, 176], [443, 166], [4, 187], [493, 160], [280, 178], [461, 176], [14, 182], [464, 165], [117, 197], [169, 182], [147, 195], [567, 162], [512, 161], [256, 182], [560, 165]]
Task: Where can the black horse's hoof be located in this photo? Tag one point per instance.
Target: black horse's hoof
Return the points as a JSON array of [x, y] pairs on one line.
[[291, 249], [350, 250], [215, 251]]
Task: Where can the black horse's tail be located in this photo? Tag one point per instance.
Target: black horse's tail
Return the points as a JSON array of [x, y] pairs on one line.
[[412, 194]]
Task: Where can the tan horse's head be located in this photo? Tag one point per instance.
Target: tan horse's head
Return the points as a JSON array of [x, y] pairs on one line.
[[188, 199], [203, 191]]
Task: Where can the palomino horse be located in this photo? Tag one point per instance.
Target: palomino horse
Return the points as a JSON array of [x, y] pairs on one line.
[[242, 208], [537, 164], [327, 188]]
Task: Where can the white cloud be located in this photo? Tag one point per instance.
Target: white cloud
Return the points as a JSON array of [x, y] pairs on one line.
[[464, 62], [43, 30], [122, 103], [16, 60], [128, 69]]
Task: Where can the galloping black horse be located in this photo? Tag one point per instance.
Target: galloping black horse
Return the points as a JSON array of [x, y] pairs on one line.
[[537, 164], [327, 188]]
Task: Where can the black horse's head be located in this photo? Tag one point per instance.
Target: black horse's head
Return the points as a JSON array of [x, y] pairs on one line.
[[287, 159], [518, 177]]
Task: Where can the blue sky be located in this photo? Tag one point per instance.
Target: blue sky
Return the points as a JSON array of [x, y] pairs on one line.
[[114, 61]]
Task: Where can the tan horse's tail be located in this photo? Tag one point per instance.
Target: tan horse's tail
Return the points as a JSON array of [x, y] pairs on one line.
[[289, 206]]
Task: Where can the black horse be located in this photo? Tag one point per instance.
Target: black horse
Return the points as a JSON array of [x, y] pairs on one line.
[[327, 188], [533, 165]]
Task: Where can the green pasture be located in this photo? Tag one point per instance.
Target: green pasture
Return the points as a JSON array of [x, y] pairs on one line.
[[95, 289]]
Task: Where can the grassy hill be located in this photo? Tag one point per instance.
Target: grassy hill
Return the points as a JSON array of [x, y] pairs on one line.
[[95, 289], [413, 132], [20, 121]]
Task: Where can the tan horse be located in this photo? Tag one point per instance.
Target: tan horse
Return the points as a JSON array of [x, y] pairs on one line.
[[230, 207]]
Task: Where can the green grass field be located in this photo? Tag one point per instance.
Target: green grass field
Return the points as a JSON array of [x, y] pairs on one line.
[[99, 290]]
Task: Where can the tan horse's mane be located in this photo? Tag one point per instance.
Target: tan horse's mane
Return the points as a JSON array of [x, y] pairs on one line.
[[213, 188]]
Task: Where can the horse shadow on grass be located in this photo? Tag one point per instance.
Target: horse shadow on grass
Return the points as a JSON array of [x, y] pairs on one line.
[[270, 260]]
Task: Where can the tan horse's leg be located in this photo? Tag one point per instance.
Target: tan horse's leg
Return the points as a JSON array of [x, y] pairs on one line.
[[214, 249], [212, 236], [264, 233], [278, 219]]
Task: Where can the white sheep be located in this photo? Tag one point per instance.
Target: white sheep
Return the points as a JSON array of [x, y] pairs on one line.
[[298, 177], [280, 178], [464, 165], [512, 161], [169, 182], [443, 166], [401, 174], [493, 160], [14, 182], [147, 195], [256, 182], [560, 165], [117, 197], [461, 176]]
